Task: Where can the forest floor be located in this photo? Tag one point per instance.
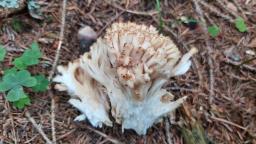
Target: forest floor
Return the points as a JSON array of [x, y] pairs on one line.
[[221, 85]]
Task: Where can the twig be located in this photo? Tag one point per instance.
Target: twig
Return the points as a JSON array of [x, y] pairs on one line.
[[209, 50], [53, 117], [103, 135], [148, 13], [12, 123], [56, 59], [110, 22], [38, 128], [167, 132], [66, 134], [216, 11], [238, 64], [240, 9], [228, 122], [224, 6]]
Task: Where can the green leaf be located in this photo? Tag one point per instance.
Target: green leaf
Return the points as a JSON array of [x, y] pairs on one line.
[[42, 83], [29, 57], [9, 71], [15, 94], [2, 52], [15, 79], [4, 87], [21, 103], [214, 30], [240, 24], [20, 63]]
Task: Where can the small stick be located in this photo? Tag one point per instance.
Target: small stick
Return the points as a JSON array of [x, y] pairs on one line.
[[167, 132], [110, 22], [224, 6], [56, 59], [240, 9], [245, 66], [53, 118], [209, 50], [228, 122], [38, 128], [12, 123], [66, 134], [103, 135], [216, 11], [149, 13]]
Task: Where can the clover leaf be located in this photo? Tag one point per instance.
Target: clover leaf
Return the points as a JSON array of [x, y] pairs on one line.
[[15, 94], [240, 24], [21, 103], [42, 83], [214, 30], [20, 78], [30, 57], [11, 70], [2, 52]]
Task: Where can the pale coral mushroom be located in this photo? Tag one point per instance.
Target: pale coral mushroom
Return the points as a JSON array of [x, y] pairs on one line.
[[124, 73]]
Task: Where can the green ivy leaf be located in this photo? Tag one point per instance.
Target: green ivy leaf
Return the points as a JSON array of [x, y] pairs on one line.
[[42, 83], [21, 103], [240, 24], [15, 94], [30, 57], [2, 52], [214, 30], [20, 78]]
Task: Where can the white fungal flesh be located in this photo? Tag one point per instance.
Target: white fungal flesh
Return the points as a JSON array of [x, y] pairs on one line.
[[125, 70]]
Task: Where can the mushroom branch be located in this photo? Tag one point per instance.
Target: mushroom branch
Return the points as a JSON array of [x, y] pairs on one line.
[[123, 75]]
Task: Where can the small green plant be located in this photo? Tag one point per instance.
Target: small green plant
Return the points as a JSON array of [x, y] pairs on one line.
[[29, 57], [158, 8], [17, 78], [241, 25], [214, 30]]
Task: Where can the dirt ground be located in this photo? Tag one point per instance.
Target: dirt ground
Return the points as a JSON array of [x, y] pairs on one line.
[[221, 85]]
